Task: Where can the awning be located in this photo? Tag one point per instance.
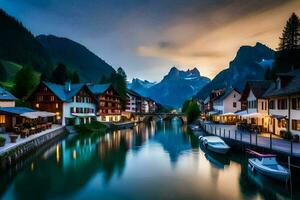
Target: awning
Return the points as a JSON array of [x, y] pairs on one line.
[[37, 114], [228, 114], [255, 115], [241, 112], [213, 113], [84, 114], [279, 117]]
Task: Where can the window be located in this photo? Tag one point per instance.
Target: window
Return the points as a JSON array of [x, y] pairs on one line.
[[282, 104], [234, 104], [52, 98], [2, 119], [56, 106], [282, 123], [37, 105], [296, 103], [262, 105], [39, 98], [296, 125], [271, 104]]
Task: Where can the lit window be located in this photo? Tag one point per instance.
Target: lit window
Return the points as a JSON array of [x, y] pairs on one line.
[[52, 98], [56, 105], [2, 119], [37, 105]]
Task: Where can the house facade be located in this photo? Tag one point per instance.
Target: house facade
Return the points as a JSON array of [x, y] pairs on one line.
[[71, 103], [256, 104], [6, 98], [108, 102], [284, 103]]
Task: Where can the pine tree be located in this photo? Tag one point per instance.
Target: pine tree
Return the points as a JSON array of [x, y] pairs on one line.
[[75, 77], [118, 80], [60, 74], [24, 82], [3, 73], [291, 34]]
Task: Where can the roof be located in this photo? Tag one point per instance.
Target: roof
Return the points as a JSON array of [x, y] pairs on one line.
[[225, 94], [258, 88], [5, 95], [292, 87], [16, 110], [99, 88], [62, 93], [133, 93]]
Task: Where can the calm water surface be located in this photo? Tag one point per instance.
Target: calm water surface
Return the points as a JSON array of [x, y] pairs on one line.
[[155, 161]]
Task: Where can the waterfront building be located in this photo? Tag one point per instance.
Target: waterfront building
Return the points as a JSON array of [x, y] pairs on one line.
[[133, 102], [108, 102], [6, 98], [284, 103], [255, 105], [71, 103], [225, 104]]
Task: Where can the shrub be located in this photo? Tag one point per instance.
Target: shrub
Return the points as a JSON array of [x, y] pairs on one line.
[[287, 135], [2, 141], [192, 111]]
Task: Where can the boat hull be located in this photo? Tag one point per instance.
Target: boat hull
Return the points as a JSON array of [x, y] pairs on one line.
[[277, 175], [217, 150]]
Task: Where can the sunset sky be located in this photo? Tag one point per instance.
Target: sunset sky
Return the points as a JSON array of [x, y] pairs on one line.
[[148, 37]]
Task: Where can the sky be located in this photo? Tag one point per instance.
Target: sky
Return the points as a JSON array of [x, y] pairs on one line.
[[148, 37]]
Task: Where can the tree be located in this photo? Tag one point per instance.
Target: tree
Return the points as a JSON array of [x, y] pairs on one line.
[[287, 57], [105, 79], [291, 34], [118, 80], [75, 77], [185, 105], [3, 73], [24, 82], [60, 74], [192, 112]]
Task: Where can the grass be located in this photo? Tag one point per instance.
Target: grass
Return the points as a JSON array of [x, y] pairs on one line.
[[12, 69]]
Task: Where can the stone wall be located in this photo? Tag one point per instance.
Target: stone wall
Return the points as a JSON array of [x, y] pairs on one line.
[[11, 156]]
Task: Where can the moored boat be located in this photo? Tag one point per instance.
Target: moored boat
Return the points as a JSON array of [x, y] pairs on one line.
[[267, 165], [215, 144]]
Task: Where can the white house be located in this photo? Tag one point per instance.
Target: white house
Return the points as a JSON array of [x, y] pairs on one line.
[[226, 105], [256, 105], [284, 103]]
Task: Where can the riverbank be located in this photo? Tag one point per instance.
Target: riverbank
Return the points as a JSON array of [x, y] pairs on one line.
[[241, 140], [13, 152]]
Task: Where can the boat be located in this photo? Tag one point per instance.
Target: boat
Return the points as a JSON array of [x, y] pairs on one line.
[[194, 127], [215, 144], [267, 165]]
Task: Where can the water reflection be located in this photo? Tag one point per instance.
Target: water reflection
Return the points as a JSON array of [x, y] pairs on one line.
[[151, 161]]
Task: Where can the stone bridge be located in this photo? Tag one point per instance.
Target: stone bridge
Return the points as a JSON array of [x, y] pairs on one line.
[[160, 116]]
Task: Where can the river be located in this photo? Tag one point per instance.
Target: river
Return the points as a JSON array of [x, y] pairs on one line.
[[160, 160]]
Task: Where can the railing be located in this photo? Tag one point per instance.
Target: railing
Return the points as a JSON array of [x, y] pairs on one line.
[[232, 133]]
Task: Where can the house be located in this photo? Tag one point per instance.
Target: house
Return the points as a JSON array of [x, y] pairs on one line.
[[71, 103], [255, 104], [284, 103], [225, 104], [6, 98], [134, 100], [152, 105], [108, 102]]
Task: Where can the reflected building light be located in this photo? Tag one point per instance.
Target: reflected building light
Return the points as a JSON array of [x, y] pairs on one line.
[[57, 153], [32, 166], [74, 154]]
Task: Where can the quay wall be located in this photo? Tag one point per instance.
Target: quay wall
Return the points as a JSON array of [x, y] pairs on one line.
[[11, 156]]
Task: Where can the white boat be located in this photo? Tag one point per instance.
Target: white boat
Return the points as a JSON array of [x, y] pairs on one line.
[[215, 144], [194, 127], [267, 165]]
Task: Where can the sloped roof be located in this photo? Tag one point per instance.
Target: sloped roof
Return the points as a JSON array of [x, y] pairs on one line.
[[62, 93], [5, 95], [225, 94], [98, 88], [133, 93], [16, 110], [293, 87], [258, 88]]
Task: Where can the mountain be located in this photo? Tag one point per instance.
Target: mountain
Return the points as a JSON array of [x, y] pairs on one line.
[[174, 89], [18, 45], [77, 57], [140, 86], [250, 63]]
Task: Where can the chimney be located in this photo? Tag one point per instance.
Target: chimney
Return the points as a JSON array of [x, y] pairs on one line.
[[68, 86]]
